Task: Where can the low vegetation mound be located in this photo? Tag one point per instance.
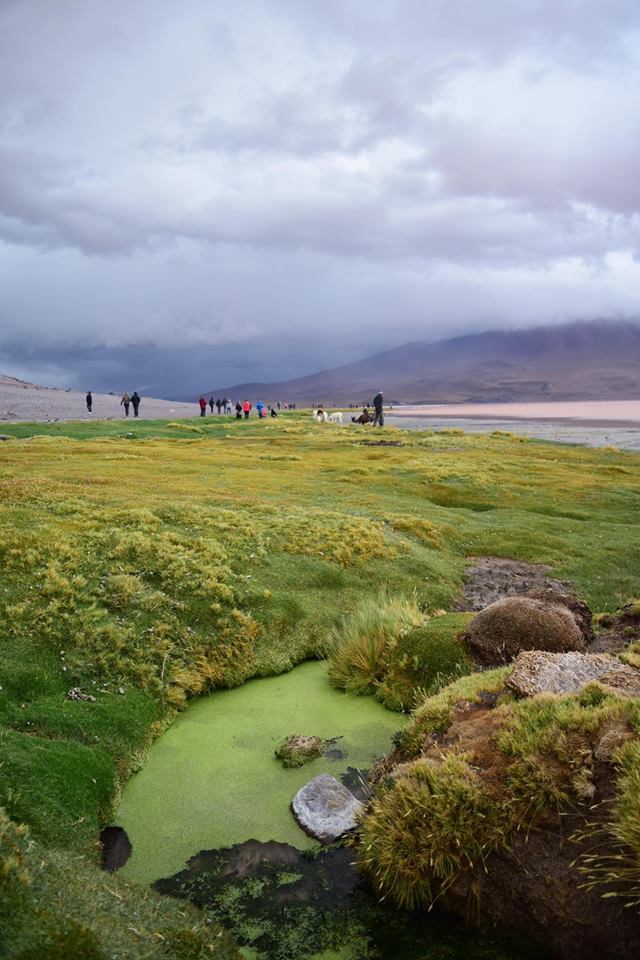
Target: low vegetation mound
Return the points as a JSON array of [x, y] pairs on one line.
[[499, 632], [487, 797], [298, 749], [422, 660]]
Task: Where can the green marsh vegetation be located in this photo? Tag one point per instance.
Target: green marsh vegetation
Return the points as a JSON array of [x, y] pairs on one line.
[[167, 562]]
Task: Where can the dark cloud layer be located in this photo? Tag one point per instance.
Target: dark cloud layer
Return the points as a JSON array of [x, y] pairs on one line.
[[225, 176]]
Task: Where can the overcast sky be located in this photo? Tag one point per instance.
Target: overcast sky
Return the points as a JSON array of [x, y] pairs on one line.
[[268, 187]]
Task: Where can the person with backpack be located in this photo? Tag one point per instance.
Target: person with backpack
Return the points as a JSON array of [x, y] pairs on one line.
[[246, 406], [125, 402]]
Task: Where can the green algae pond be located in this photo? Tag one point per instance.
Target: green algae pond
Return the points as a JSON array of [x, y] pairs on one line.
[[209, 820], [212, 779]]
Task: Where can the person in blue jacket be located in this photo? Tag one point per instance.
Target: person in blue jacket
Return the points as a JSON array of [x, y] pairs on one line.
[[260, 408]]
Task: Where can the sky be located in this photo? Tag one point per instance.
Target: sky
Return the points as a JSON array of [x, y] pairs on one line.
[[201, 193]]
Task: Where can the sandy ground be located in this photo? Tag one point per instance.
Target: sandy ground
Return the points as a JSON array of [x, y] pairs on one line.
[[26, 401], [596, 412]]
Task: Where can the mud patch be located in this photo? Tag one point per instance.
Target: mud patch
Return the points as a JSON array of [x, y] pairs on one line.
[[382, 443], [284, 904], [493, 578], [617, 631]]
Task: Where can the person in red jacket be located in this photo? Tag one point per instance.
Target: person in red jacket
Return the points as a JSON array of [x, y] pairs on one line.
[[203, 406], [246, 406]]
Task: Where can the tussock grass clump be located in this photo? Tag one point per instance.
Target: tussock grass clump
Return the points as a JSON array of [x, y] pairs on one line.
[[432, 825], [359, 644], [617, 872], [423, 530]]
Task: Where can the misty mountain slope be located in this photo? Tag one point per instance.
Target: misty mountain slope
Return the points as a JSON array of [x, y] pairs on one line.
[[578, 361]]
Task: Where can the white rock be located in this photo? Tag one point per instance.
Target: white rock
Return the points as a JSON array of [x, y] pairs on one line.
[[325, 809]]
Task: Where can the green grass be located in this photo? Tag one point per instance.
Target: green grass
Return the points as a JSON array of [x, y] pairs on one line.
[[359, 646], [174, 559]]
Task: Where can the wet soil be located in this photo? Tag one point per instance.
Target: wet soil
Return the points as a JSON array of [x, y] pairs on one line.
[[616, 632], [493, 578]]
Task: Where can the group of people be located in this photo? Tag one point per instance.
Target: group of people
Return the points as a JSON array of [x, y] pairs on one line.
[[242, 409], [126, 402]]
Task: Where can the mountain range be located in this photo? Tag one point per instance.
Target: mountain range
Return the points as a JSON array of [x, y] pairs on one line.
[[591, 360]]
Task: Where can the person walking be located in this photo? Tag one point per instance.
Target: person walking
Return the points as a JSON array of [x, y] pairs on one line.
[[211, 403], [378, 406], [135, 402], [238, 410], [89, 400], [125, 402], [203, 406], [260, 409], [246, 406]]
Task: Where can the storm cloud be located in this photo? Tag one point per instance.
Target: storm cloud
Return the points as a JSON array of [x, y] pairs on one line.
[[296, 184]]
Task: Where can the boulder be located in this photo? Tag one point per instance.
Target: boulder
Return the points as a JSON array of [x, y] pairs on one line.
[[502, 630], [536, 671], [325, 809]]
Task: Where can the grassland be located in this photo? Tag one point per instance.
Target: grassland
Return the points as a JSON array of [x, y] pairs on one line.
[[165, 560]]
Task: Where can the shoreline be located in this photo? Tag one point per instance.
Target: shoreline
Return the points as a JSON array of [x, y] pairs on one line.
[[592, 413]]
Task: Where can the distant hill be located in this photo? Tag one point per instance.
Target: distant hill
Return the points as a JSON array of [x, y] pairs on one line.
[[596, 360]]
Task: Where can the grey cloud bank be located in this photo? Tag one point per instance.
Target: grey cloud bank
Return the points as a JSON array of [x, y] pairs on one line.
[[293, 184]]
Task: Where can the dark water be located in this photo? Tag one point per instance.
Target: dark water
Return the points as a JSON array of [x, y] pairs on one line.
[[287, 904]]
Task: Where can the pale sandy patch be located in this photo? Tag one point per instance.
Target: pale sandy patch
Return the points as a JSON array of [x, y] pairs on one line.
[[21, 401]]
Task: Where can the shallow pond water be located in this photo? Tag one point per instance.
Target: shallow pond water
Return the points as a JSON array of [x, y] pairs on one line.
[[212, 780], [209, 820]]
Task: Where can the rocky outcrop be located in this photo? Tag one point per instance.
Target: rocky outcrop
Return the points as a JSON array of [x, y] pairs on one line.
[[503, 629], [325, 809], [537, 672]]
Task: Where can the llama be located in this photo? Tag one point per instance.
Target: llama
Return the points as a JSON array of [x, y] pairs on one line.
[[335, 417]]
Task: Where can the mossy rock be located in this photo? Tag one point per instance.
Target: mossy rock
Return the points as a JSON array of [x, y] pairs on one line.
[[503, 629], [298, 749]]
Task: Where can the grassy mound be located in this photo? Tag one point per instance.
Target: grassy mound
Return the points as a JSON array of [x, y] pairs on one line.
[[476, 769], [503, 629], [422, 660]]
